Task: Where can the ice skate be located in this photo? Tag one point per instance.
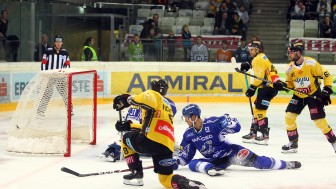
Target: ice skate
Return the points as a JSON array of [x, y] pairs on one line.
[[190, 184], [291, 147], [249, 138], [263, 139], [216, 171], [293, 165], [134, 178]]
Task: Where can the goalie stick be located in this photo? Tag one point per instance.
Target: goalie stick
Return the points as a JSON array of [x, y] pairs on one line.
[[72, 172], [269, 82]]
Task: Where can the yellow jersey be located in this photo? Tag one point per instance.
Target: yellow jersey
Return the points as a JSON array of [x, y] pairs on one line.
[[263, 68], [157, 117], [305, 77]]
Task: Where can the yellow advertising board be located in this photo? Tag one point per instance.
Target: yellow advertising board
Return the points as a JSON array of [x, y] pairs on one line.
[[192, 83]]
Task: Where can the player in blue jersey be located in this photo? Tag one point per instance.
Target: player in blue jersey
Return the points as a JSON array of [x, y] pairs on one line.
[[208, 136], [112, 153]]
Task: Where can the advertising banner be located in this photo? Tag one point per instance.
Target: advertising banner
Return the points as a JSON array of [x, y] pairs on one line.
[[4, 87], [193, 83], [19, 82]]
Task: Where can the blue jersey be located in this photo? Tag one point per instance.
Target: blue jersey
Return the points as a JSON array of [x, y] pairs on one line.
[[210, 141], [134, 113]]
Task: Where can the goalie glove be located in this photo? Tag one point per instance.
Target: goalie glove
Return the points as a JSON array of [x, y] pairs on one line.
[[245, 66], [176, 162], [120, 102], [123, 126], [325, 95]]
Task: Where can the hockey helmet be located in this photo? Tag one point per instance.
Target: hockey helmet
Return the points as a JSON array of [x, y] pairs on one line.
[[113, 152], [296, 46], [58, 38], [256, 44], [190, 110], [160, 86]]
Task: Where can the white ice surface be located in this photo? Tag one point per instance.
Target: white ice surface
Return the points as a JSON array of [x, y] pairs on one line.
[[315, 153]]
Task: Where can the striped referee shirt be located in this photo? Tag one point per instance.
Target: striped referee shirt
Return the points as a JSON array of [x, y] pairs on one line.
[[53, 60]]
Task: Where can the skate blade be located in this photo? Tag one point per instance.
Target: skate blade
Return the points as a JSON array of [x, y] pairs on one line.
[[251, 141], [291, 151], [262, 142], [198, 185], [134, 182], [216, 173]]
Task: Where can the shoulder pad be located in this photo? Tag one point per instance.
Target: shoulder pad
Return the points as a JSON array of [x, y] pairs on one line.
[[264, 57], [310, 61], [289, 67]]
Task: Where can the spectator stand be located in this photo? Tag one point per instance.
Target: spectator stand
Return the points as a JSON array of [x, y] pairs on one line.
[[213, 43]]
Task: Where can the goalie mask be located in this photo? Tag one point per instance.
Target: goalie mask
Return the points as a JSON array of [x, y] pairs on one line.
[[160, 86]]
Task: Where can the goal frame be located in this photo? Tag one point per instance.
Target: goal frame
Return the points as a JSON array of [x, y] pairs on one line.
[[94, 131]]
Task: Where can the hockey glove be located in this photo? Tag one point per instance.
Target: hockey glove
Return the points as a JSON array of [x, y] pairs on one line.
[[123, 126], [250, 91], [245, 66], [325, 95], [279, 85], [120, 102], [176, 163]]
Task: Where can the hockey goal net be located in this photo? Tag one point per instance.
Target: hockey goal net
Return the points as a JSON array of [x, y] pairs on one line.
[[56, 107]]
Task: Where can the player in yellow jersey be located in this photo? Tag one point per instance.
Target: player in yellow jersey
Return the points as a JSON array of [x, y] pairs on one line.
[[155, 136], [263, 68], [302, 74]]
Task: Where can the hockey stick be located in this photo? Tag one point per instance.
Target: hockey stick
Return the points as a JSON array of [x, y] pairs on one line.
[[72, 172], [269, 82], [121, 135], [233, 61]]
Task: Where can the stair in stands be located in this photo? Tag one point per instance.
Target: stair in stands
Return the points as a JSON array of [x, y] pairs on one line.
[[268, 21]]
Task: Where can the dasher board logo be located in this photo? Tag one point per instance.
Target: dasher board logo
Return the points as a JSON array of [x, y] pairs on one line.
[[4, 87]]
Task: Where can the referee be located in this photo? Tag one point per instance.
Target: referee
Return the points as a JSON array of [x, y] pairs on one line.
[[54, 58]]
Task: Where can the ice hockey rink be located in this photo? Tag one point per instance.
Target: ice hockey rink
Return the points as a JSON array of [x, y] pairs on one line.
[[315, 153]]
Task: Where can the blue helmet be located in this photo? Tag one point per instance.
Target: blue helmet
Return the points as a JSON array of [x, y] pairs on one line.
[[191, 109]]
